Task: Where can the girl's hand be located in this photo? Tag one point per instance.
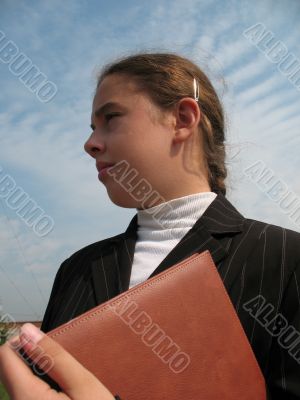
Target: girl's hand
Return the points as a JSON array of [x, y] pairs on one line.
[[76, 382]]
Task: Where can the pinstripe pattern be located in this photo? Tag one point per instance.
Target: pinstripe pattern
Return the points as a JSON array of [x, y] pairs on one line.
[[105, 279], [263, 235], [297, 287], [237, 307], [253, 258]]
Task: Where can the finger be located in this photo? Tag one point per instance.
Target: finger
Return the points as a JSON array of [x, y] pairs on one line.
[[17, 377], [75, 380]]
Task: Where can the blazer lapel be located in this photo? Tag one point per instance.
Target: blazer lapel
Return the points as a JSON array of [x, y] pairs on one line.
[[103, 271], [110, 271], [125, 251], [213, 231], [196, 240]]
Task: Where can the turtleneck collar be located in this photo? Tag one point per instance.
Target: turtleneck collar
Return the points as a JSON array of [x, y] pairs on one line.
[[166, 215]]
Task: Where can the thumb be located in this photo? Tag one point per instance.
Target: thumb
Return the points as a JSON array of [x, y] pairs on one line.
[[75, 380]]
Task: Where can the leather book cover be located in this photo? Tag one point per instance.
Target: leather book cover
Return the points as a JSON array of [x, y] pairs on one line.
[[175, 336]]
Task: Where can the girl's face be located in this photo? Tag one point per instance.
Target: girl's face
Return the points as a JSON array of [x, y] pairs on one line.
[[128, 127]]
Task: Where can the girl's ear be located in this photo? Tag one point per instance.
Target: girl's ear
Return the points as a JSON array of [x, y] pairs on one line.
[[187, 115]]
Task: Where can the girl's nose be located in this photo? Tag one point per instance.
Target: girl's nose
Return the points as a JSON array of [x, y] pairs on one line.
[[93, 146]]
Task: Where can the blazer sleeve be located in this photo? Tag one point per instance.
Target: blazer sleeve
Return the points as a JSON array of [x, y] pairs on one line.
[[283, 380]]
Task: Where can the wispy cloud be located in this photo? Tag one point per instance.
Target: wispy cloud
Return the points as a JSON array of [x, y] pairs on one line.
[[41, 145]]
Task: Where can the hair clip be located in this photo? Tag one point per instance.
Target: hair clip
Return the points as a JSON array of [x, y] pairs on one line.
[[196, 89]]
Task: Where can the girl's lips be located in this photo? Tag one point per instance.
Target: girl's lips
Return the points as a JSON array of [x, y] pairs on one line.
[[102, 165], [103, 171]]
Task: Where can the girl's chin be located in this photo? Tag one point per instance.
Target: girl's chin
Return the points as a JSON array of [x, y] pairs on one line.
[[122, 200]]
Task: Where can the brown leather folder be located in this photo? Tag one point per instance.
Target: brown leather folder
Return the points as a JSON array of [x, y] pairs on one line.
[[175, 336]]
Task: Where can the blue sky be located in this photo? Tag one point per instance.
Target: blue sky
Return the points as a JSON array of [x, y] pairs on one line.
[[41, 143]]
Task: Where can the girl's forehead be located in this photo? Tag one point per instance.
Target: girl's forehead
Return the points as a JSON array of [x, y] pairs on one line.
[[117, 88], [117, 84]]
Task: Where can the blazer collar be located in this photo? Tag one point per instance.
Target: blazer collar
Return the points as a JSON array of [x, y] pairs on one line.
[[212, 232], [219, 219]]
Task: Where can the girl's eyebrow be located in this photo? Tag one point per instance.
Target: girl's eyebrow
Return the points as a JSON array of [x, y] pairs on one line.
[[106, 107]]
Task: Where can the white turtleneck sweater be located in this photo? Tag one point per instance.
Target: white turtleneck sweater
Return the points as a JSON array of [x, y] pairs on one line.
[[161, 227]]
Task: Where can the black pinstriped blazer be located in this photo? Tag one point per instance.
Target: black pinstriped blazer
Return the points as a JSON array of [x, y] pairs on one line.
[[253, 259]]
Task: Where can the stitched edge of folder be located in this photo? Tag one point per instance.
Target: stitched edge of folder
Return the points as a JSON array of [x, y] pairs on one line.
[[150, 282], [118, 299]]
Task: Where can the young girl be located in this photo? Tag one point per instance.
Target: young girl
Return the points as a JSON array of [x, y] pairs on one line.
[[158, 143]]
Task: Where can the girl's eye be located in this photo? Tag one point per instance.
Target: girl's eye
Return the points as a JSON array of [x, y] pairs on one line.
[[108, 117]]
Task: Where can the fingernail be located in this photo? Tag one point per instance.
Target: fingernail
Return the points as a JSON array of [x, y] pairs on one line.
[[14, 342], [32, 332]]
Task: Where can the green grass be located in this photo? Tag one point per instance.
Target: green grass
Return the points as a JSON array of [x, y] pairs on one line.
[[3, 394]]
